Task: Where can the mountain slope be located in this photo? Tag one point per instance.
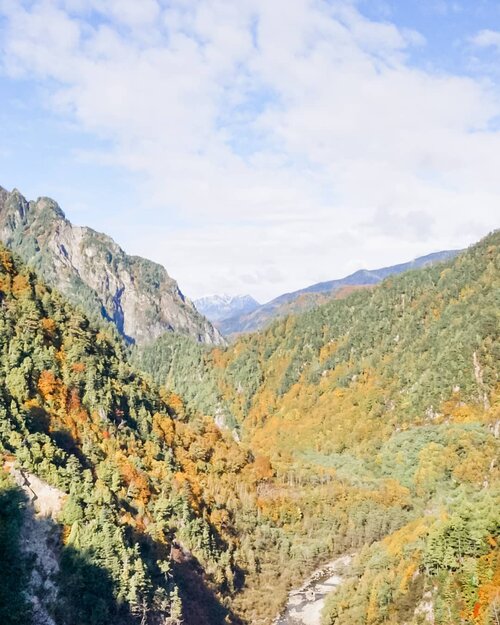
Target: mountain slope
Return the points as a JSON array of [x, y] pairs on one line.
[[158, 515], [137, 295], [370, 424], [413, 343], [384, 404], [219, 307], [316, 294], [165, 519]]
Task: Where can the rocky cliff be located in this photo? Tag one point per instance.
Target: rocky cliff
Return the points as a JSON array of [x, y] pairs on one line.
[[137, 295]]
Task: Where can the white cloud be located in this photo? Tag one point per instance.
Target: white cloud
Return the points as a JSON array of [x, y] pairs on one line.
[[289, 136], [486, 39]]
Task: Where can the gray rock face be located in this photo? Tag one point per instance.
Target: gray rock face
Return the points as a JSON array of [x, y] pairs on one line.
[[136, 294]]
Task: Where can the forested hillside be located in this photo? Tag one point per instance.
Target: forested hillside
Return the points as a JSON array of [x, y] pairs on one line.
[[159, 522], [369, 425], [382, 409]]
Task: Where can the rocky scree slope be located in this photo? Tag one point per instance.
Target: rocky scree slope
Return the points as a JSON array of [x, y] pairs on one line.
[[136, 294]]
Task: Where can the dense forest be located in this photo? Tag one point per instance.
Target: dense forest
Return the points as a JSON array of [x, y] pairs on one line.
[[379, 414], [198, 485], [159, 522]]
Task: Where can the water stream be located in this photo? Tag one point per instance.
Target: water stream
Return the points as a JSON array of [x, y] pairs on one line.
[[305, 603]]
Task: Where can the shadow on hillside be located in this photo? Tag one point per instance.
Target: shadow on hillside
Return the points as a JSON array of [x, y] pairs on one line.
[[14, 610], [32, 553], [201, 605], [62, 582], [87, 593]]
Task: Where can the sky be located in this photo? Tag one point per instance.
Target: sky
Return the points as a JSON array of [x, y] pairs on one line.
[[257, 146]]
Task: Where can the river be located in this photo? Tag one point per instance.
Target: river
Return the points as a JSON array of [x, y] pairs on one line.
[[304, 605]]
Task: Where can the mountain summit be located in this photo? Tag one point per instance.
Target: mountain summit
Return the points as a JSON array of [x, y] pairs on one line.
[[219, 307], [136, 294]]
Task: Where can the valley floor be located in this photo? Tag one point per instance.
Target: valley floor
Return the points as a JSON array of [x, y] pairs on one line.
[[305, 604]]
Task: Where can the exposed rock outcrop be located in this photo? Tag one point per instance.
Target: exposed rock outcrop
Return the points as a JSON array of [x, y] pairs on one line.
[[40, 542], [136, 294]]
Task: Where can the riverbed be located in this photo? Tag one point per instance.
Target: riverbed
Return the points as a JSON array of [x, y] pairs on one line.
[[305, 603]]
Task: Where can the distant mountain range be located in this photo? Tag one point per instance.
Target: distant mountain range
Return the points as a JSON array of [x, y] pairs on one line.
[[219, 307], [138, 295], [320, 293], [134, 293]]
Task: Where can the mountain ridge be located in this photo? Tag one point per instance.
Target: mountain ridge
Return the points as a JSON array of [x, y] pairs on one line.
[[137, 295], [321, 292]]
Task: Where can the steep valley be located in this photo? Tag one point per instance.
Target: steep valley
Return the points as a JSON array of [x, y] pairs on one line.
[[382, 409], [200, 484], [249, 312]]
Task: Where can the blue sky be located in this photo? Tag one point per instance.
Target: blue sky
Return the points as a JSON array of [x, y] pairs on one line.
[[446, 25], [257, 146]]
